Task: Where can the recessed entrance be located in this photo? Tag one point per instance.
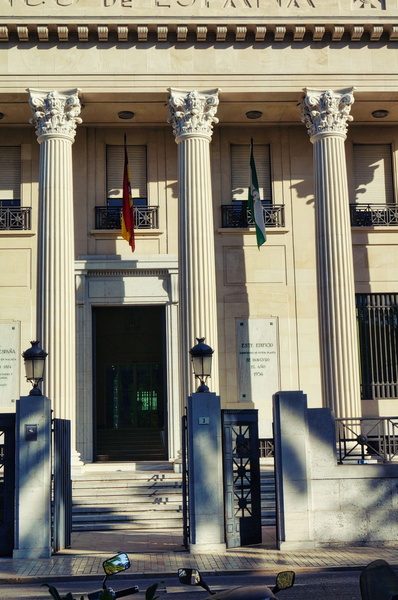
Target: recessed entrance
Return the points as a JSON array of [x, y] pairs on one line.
[[129, 383]]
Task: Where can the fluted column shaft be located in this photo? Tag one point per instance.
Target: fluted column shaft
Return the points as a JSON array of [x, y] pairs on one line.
[[192, 116], [56, 117], [326, 115]]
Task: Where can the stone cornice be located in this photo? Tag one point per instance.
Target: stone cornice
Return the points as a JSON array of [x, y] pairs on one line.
[[245, 31]]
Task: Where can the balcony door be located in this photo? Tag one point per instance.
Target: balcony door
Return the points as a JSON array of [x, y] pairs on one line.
[[129, 383]]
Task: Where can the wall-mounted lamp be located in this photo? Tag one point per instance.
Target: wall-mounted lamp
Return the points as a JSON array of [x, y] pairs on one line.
[[380, 114], [254, 114], [125, 114]]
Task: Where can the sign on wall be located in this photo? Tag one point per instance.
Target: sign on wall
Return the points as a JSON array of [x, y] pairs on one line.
[[258, 367], [10, 363]]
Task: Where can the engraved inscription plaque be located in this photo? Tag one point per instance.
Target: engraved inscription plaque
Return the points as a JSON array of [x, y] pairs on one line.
[[258, 367], [10, 361]]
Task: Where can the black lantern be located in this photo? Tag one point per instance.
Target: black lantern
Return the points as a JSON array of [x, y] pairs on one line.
[[202, 356], [34, 358]]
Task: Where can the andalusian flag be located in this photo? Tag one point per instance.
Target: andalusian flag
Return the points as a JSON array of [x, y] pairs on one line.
[[255, 206], [127, 206]]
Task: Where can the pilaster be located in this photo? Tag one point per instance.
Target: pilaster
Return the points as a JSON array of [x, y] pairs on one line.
[[326, 114]]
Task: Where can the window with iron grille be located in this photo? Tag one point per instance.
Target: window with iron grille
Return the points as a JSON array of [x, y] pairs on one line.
[[137, 157], [377, 318]]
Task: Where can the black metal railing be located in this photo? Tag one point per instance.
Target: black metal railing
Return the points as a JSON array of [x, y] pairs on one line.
[[361, 439], [267, 447], [107, 217], [239, 216], [13, 218], [367, 215]]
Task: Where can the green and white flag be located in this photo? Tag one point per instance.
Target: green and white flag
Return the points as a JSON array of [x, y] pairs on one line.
[[255, 206]]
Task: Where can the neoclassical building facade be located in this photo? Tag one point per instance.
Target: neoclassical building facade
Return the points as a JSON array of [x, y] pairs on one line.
[[190, 83]]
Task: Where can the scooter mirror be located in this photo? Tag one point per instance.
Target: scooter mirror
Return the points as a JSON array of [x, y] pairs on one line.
[[284, 580], [116, 564], [189, 576]]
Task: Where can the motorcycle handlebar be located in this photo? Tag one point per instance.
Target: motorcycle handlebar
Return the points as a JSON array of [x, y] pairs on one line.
[[127, 591]]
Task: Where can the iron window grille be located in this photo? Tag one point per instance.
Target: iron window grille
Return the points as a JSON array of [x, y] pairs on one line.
[[368, 215], [237, 215], [110, 217], [377, 319], [15, 218]]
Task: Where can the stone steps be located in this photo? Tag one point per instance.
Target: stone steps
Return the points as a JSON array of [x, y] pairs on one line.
[[142, 500]]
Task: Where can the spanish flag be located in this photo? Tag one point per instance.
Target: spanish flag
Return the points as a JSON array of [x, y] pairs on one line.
[[127, 206]]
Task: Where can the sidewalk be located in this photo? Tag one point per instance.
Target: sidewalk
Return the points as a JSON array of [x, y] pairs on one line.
[[161, 554]]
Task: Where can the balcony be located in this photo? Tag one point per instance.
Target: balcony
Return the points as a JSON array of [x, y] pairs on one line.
[[239, 216], [109, 217], [368, 215], [15, 218]]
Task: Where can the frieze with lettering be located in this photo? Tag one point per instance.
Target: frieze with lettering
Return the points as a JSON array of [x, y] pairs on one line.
[[222, 7]]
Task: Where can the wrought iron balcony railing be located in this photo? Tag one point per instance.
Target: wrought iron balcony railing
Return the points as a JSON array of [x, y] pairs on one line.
[[107, 217], [361, 439], [239, 216], [367, 215], [13, 218]]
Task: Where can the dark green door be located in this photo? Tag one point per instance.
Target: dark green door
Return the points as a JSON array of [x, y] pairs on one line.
[[129, 383]]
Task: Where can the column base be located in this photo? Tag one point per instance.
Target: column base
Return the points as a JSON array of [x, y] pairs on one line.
[[77, 464]]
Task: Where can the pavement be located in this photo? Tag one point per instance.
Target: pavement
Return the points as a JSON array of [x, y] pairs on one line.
[[160, 553]]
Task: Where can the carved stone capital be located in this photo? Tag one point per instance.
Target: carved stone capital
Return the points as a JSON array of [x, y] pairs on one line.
[[327, 112], [55, 113], [193, 113]]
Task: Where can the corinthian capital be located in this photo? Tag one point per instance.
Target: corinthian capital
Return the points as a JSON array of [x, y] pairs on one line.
[[325, 112], [193, 112], [55, 113]]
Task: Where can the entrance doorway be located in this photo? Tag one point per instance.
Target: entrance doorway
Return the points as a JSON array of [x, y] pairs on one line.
[[129, 383]]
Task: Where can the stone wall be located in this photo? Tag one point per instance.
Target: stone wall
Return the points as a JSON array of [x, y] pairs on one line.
[[320, 502]]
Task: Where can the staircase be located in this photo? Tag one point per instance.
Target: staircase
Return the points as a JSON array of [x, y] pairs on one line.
[[133, 444], [127, 499], [268, 497], [111, 497]]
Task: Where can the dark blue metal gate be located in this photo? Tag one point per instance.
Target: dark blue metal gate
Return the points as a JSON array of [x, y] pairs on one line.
[[241, 477], [62, 485], [7, 483]]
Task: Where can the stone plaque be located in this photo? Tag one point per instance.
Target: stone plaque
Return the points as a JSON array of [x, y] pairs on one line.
[[258, 367], [10, 363]]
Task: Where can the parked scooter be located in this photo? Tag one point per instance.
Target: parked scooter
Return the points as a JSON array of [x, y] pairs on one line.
[[111, 566], [378, 581], [284, 581]]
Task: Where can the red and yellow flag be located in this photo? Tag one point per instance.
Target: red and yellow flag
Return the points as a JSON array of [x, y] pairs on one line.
[[127, 206]]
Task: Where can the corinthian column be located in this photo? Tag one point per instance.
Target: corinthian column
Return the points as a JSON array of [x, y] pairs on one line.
[[56, 116], [192, 115], [326, 114]]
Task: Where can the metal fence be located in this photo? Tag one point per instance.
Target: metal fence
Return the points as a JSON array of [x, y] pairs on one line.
[[12, 218], [239, 216], [109, 217], [367, 215], [367, 439]]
